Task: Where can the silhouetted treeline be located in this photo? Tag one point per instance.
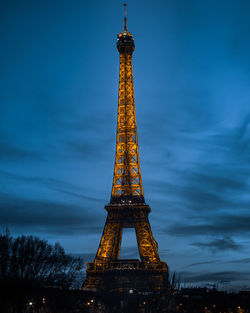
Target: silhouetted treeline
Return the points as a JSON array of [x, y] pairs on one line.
[[30, 259]]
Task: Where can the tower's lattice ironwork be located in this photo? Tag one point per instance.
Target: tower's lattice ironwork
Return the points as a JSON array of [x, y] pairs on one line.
[[127, 208], [127, 175]]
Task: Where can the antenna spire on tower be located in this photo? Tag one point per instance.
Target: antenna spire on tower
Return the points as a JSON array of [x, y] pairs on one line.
[[125, 17]]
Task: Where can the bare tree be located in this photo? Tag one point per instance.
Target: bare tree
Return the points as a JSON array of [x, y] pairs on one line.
[[5, 254], [28, 258]]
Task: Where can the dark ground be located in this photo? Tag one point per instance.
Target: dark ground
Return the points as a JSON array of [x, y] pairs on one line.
[[29, 298]]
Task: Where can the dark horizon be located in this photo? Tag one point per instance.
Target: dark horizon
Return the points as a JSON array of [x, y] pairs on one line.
[[58, 95]]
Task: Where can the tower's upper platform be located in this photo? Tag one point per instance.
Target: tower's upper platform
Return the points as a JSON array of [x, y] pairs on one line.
[[125, 40]]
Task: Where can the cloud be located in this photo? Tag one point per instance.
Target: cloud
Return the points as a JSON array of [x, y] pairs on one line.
[[241, 261], [223, 277], [202, 263], [83, 149], [208, 195], [219, 244], [218, 161], [47, 216], [10, 152], [66, 188], [225, 224]]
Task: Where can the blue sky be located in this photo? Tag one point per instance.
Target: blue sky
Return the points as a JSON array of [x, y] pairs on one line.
[[58, 105]]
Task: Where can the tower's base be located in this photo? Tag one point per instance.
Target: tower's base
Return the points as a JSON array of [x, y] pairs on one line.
[[130, 276]]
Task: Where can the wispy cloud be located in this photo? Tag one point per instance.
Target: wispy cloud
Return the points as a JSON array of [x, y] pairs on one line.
[[241, 261], [12, 152], [223, 277], [225, 243], [47, 216]]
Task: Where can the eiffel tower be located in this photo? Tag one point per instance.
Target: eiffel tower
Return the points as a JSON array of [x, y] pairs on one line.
[[127, 207]]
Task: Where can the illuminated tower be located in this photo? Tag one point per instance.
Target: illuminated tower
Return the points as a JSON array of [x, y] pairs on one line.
[[127, 208]]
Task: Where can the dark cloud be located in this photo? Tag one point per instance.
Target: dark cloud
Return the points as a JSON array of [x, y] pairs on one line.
[[91, 142], [210, 196], [223, 277], [47, 216], [219, 244], [10, 152], [51, 183], [241, 261], [213, 177], [203, 263], [84, 149], [218, 225]]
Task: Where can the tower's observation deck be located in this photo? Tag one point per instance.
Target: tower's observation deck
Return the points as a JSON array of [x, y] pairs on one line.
[[125, 42]]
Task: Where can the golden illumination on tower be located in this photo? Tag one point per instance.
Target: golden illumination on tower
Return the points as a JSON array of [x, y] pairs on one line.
[[127, 183], [127, 208]]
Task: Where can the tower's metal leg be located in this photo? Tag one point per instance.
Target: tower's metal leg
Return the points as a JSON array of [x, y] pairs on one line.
[[148, 247], [109, 247]]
